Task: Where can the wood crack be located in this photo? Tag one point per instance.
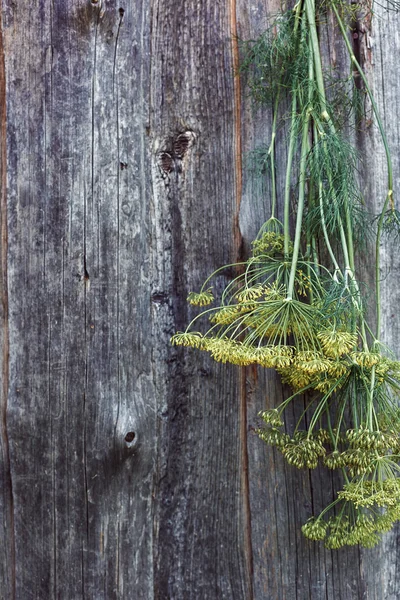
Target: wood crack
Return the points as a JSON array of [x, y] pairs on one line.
[[244, 459], [5, 351]]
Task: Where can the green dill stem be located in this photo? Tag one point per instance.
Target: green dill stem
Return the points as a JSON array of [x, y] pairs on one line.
[[271, 152], [302, 184], [300, 207], [371, 398], [373, 103], [325, 232], [292, 142], [389, 196], [310, 10], [327, 508]]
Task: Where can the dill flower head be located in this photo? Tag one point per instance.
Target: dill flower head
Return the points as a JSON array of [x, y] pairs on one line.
[[311, 362], [315, 529], [303, 283], [303, 450], [338, 531], [225, 315], [250, 293], [359, 461], [372, 440], [368, 493], [269, 244], [334, 460], [273, 436], [336, 343], [202, 298], [271, 417], [188, 338], [366, 359]]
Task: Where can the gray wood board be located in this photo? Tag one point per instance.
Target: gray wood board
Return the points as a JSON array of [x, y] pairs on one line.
[[123, 188]]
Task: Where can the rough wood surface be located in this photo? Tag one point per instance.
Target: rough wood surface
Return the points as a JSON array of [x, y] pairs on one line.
[[128, 468]]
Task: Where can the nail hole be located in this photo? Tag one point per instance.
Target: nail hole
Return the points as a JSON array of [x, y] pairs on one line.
[[121, 12], [130, 436]]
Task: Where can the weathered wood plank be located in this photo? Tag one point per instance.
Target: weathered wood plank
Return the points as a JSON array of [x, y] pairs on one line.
[[80, 335], [200, 514]]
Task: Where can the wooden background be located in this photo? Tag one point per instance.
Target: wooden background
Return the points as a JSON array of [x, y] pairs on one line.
[[129, 468]]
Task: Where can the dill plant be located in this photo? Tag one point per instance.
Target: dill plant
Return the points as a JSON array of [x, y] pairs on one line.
[[296, 305]]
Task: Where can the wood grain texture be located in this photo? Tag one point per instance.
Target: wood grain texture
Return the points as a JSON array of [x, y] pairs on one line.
[[129, 468]]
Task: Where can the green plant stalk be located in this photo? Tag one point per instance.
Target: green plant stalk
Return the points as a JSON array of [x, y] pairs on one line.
[[310, 11], [389, 196], [271, 152], [347, 243], [292, 143], [300, 207], [302, 185]]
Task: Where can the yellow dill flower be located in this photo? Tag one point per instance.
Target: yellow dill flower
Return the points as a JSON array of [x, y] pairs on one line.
[[225, 316], [296, 378], [311, 362], [337, 369], [336, 343], [366, 359], [303, 451], [263, 356], [245, 307], [271, 416], [372, 493], [193, 339], [202, 298], [303, 283], [250, 293], [241, 355], [277, 357], [270, 243], [315, 529]]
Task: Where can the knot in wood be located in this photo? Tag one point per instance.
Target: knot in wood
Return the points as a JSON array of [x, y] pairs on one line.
[[166, 162], [182, 143]]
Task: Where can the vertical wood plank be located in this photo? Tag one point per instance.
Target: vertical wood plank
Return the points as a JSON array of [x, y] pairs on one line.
[[80, 331], [200, 518]]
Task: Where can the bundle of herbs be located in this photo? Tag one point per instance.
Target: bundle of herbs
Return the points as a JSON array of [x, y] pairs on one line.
[[296, 305]]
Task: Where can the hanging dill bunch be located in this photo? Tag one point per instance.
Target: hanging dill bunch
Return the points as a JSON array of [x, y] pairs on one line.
[[296, 304]]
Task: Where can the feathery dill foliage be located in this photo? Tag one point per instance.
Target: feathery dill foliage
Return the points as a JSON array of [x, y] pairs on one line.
[[290, 310]]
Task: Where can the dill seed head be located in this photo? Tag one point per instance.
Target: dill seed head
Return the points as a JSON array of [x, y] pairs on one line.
[[202, 298], [250, 293], [193, 339], [336, 343], [225, 316], [315, 529], [271, 417]]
